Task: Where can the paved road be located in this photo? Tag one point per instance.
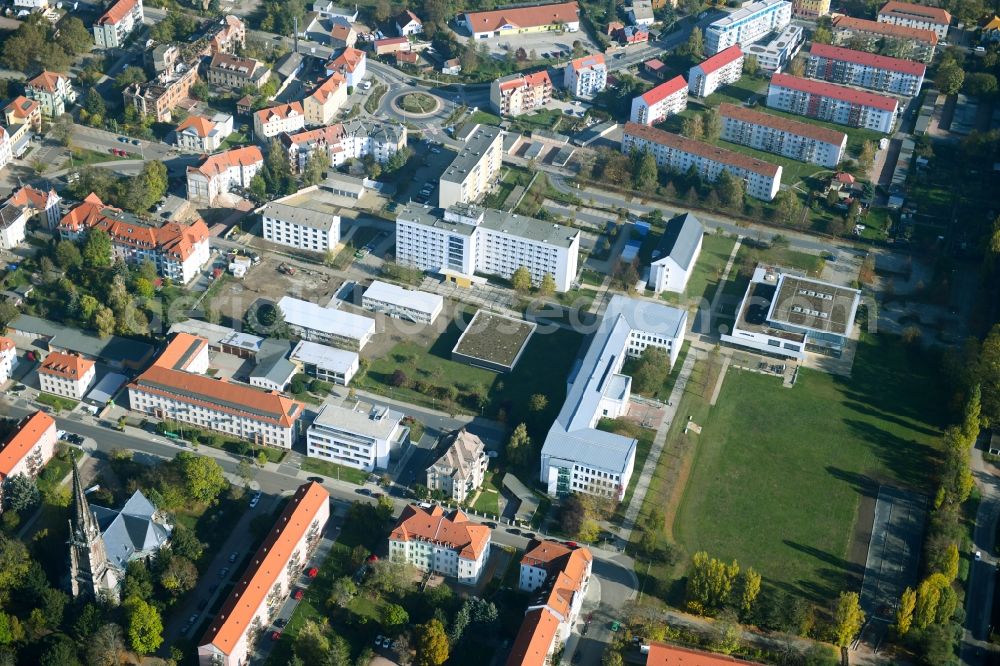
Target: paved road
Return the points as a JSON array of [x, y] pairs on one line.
[[982, 576], [103, 141]]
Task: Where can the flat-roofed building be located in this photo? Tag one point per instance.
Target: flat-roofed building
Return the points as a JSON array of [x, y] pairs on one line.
[[656, 105], [521, 20], [268, 579], [832, 103], [66, 375], [875, 37], [175, 389], [28, 448], [464, 240], [360, 435], [585, 77], [920, 17], [865, 70], [785, 314], [675, 255], [116, 24], [751, 23], [475, 169], [676, 152], [518, 94], [300, 226], [783, 136], [721, 69], [576, 456], [313, 322], [328, 364], [448, 544], [462, 468], [400, 303], [775, 54]]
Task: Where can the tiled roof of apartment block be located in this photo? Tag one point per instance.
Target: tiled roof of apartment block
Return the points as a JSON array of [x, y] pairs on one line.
[[833, 91], [701, 149], [754, 117]]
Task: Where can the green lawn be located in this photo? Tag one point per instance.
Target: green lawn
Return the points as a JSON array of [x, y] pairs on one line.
[[778, 473], [715, 251], [56, 402], [644, 442], [235, 140], [489, 496], [335, 471], [484, 118]]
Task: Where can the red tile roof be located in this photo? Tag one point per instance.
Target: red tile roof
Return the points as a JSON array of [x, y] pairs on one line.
[[348, 61], [405, 17], [279, 112], [921, 12], [831, 52], [455, 531], [117, 12], [588, 61], [664, 90], [47, 81], [523, 17], [534, 638], [201, 125], [19, 444], [22, 107], [702, 149], [662, 654], [526, 81], [329, 88], [322, 136], [833, 91], [6, 344], [341, 32], [727, 110], [270, 560], [67, 366], [721, 59], [216, 164], [29, 196], [887, 29]]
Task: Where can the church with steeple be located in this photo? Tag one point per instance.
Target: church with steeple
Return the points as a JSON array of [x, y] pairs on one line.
[[91, 575]]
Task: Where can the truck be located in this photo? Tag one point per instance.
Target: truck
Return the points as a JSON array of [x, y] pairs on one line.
[[286, 269]]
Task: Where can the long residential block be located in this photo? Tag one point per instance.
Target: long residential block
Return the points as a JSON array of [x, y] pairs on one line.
[[300, 227], [872, 36], [782, 136], [832, 103], [678, 153], [475, 169], [747, 25], [723, 68], [865, 70], [398, 302], [921, 17], [316, 323], [656, 105]]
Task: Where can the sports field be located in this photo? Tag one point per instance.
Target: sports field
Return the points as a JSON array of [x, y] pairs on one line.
[[779, 474]]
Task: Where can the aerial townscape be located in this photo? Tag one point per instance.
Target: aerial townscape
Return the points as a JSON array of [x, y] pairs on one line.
[[596, 332]]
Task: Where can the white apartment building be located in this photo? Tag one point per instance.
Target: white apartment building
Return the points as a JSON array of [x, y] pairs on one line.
[[6, 148], [8, 358], [432, 540], [362, 436], [408, 24], [656, 105], [462, 468], [345, 141], [678, 153], [204, 135], [66, 375], [300, 227], [747, 25], [313, 322], [474, 170], [28, 448], [328, 364], [833, 103], [782, 136], [721, 69], [518, 94], [464, 240], [585, 77], [111, 29], [13, 222], [267, 581], [278, 119], [53, 92], [676, 254], [352, 64], [920, 17], [175, 388], [398, 302], [865, 70], [576, 456], [219, 173], [773, 56], [39, 202]]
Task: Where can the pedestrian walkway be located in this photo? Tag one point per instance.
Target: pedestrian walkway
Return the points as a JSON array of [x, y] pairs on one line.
[[660, 441], [725, 274]]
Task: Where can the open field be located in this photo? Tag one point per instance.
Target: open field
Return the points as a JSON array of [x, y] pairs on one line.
[[715, 250], [782, 494]]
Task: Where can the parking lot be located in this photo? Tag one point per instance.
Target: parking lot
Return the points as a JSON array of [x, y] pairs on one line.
[[554, 43]]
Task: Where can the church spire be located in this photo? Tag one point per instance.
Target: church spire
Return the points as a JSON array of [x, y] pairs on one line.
[[89, 573], [84, 526]]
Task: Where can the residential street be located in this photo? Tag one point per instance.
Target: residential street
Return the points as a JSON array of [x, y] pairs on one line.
[[982, 575]]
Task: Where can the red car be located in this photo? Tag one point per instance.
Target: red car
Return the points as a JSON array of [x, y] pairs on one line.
[[276, 636], [571, 544], [312, 572], [298, 595]]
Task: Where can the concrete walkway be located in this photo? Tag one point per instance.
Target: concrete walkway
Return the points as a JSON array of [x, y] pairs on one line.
[[725, 274], [646, 474]]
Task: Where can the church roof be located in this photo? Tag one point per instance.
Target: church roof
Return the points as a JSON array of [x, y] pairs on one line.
[[131, 531]]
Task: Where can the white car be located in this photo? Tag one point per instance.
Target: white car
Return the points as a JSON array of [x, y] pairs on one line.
[[254, 500], [979, 555]]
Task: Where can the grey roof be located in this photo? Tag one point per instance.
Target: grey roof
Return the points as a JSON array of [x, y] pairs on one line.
[[571, 437], [308, 315], [465, 218], [113, 349], [214, 333], [9, 214], [106, 387], [364, 419], [680, 240], [324, 356], [386, 292], [465, 452], [385, 132], [272, 361], [301, 216], [133, 531], [475, 147], [289, 65]]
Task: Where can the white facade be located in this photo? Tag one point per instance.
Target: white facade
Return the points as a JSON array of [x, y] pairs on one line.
[[674, 258], [13, 221], [658, 104], [362, 436], [328, 364], [8, 358], [399, 303], [313, 322], [679, 153], [462, 468], [586, 76], [278, 119], [518, 94], [782, 136], [66, 375], [468, 239], [920, 17], [27, 450], [747, 25], [773, 56], [474, 170], [219, 173], [117, 23], [6, 148], [865, 70], [450, 546], [301, 228], [722, 69], [204, 135], [833, 103]]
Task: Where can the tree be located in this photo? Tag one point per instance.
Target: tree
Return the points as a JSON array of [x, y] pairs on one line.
[[822, 35], [341, 592], [788, 208], [904, 612], [316, 167], [14, 563], [104, 321], [61, 651], [950, 78], [394, 615], [750, 65], [867, 156], [432, 644], [93, 103], [97, 249], [710, 582], [730, 188], [950, 564], [387, 577], [519, 445], [848, 618], [727, 632], [537, 402], [74, 37], [145, 627], [311, 644], [184, 542], [277, 171], [797, 67], [547, 287], [693, 127], [711, 124], [130, 75], [68, 255], [521, 280], [651, 369], [20, 492], [647, 175], [179, 576], [203, 477], [695, 42], [106, 647], [980, 84], [751, 588]]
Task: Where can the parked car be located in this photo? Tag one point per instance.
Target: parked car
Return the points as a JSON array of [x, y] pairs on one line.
[[298, 595], [193, 618], [255, 500], [223, 572], [386, 643], [491, 525], [513, 530], [378, 640], [135, 142], [233, 556], [317, 479], [280, 622], [275, 635], [312, 572]]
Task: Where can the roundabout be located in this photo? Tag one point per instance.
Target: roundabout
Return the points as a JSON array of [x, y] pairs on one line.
[[415, 104]]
